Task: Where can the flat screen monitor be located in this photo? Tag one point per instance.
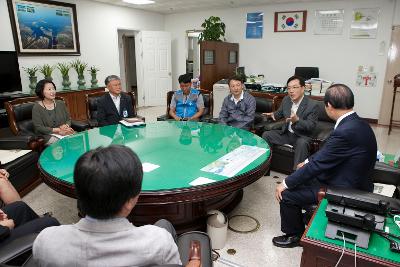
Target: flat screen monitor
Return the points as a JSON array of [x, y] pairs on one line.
[[10, 79]]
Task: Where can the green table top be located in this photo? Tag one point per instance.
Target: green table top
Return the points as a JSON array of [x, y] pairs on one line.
[[378, 246], [181, 149]]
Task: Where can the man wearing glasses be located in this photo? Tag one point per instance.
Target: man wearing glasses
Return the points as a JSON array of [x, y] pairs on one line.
[[301, 116]]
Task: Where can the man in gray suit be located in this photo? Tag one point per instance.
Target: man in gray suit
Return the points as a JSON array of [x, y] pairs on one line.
[[301, 116], [108, 182]]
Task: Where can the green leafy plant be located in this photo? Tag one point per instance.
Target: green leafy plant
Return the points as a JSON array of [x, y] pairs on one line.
[[64, 68], [79, 66], [214, 30], [31, 71], [93, 70], [46, 70]]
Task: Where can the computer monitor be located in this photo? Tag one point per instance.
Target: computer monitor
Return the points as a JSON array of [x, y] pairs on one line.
[[240, 71], [10, 79]]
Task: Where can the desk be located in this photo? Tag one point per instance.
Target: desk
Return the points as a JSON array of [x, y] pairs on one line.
[[181, 149], [321, 251]]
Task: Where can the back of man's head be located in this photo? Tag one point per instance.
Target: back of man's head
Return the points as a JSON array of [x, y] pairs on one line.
[[185, 78], [105, 179], [339, 96]]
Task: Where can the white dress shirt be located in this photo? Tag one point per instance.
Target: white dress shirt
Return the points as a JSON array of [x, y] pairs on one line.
[[293, 110], [116, 100]]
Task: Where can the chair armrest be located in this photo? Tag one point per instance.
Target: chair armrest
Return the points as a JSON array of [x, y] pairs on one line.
[[273, 125], [17, 247], [385, 174], [22, 142], [80, 126]]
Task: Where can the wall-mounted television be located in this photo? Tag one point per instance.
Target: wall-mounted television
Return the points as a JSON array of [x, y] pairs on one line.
[[10, 78]]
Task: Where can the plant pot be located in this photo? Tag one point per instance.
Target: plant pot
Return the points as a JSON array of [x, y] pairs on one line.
[[49, 78], [66, 83], [32, 83], [81, 82], [94, 80]]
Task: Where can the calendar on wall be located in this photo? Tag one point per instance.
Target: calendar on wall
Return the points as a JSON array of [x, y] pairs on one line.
[[329, 21]]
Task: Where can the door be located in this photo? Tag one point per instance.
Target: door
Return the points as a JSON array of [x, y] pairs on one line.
[[154, 77], [393, 68]]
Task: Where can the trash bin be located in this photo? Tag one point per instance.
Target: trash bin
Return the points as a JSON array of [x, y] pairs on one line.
[[217, 228]]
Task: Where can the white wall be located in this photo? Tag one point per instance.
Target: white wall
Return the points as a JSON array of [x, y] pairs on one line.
[[277, 54], [97, 25], [396, 19]]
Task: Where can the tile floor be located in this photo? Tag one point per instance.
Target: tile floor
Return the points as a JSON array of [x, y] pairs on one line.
[[254, 249]]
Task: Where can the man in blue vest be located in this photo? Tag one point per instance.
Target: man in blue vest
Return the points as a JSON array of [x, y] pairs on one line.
[[187, 103]]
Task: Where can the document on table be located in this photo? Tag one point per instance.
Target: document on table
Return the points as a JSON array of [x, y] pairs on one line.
[[59, 136], [132, 124], [148, 167], [234, 161], [201, 181], [7, 156]]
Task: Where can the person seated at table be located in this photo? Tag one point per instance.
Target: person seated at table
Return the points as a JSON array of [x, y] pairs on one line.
[[50, 116], [108, 182], [187, 103], [114, 106], [301, 115], [345, 160], [8, 193], [16, 217], [239, 107]]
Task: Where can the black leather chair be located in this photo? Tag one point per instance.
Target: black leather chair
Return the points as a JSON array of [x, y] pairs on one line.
[[283, 155], [19, 112], [208, 106], [24, 174], [307, 72], [91, 107], [264, 103]]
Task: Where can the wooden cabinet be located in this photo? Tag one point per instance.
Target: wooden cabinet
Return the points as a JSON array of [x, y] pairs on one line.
[[75, 100], [218, 60]]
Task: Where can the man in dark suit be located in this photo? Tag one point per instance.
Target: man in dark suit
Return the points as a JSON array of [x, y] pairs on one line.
[[301, 117], [345, 160], [115, 105]]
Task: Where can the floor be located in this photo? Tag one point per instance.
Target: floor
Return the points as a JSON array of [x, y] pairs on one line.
[[253, 249]]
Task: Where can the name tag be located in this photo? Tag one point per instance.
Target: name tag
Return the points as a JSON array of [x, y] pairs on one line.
[[125, 113]]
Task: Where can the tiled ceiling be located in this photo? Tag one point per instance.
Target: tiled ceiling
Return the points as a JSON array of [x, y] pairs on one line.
[[179, 6]]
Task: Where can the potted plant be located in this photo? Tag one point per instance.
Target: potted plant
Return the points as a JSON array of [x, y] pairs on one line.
[[32, 77], [64, 69], [80, 67], [214, 30], [47, 70], [93, 72]]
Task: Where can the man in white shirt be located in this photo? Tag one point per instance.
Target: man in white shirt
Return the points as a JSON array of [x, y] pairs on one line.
[[301, 115]]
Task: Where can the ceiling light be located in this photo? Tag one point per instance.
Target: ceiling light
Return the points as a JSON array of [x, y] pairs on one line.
[[139, 2]]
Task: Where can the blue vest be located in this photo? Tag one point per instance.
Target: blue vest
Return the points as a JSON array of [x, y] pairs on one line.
[[186, 108]]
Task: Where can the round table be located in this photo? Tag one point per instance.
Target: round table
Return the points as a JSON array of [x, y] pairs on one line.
[[180, 150]]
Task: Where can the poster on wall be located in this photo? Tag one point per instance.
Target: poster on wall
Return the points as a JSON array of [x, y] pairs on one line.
[[364, 23], [42, 27], [290, 21], [254, 25], [329, 21], [366, 77]]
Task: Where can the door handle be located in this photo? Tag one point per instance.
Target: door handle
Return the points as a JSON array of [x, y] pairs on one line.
[[389, 81]]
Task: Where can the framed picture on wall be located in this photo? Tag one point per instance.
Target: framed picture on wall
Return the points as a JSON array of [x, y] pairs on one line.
[[42, 27], [290, 21]]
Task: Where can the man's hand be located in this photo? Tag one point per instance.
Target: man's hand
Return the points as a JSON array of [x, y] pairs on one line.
[[293, 118], [269, 115], [8, 223], [278, 192], [4, 174], [3, 215], [301, 164], [193, 263]]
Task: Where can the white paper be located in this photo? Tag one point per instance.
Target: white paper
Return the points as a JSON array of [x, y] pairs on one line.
[[131, 124], [234, 161], [7, 156], [148, 167], [201, 180], [59, 136], [384, 189]]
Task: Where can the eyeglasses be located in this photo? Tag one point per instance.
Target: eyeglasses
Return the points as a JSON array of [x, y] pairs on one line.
[[294, 87]]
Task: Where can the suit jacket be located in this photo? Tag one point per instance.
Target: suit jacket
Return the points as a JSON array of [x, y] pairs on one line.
[[345, 160], [114, 242], [307, 113], [108, 114]]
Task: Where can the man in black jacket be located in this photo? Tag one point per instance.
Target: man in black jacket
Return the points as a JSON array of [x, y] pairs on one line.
[[301, 116], [115, 105]]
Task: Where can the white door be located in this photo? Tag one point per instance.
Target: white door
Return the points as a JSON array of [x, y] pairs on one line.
[[154, 70]]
